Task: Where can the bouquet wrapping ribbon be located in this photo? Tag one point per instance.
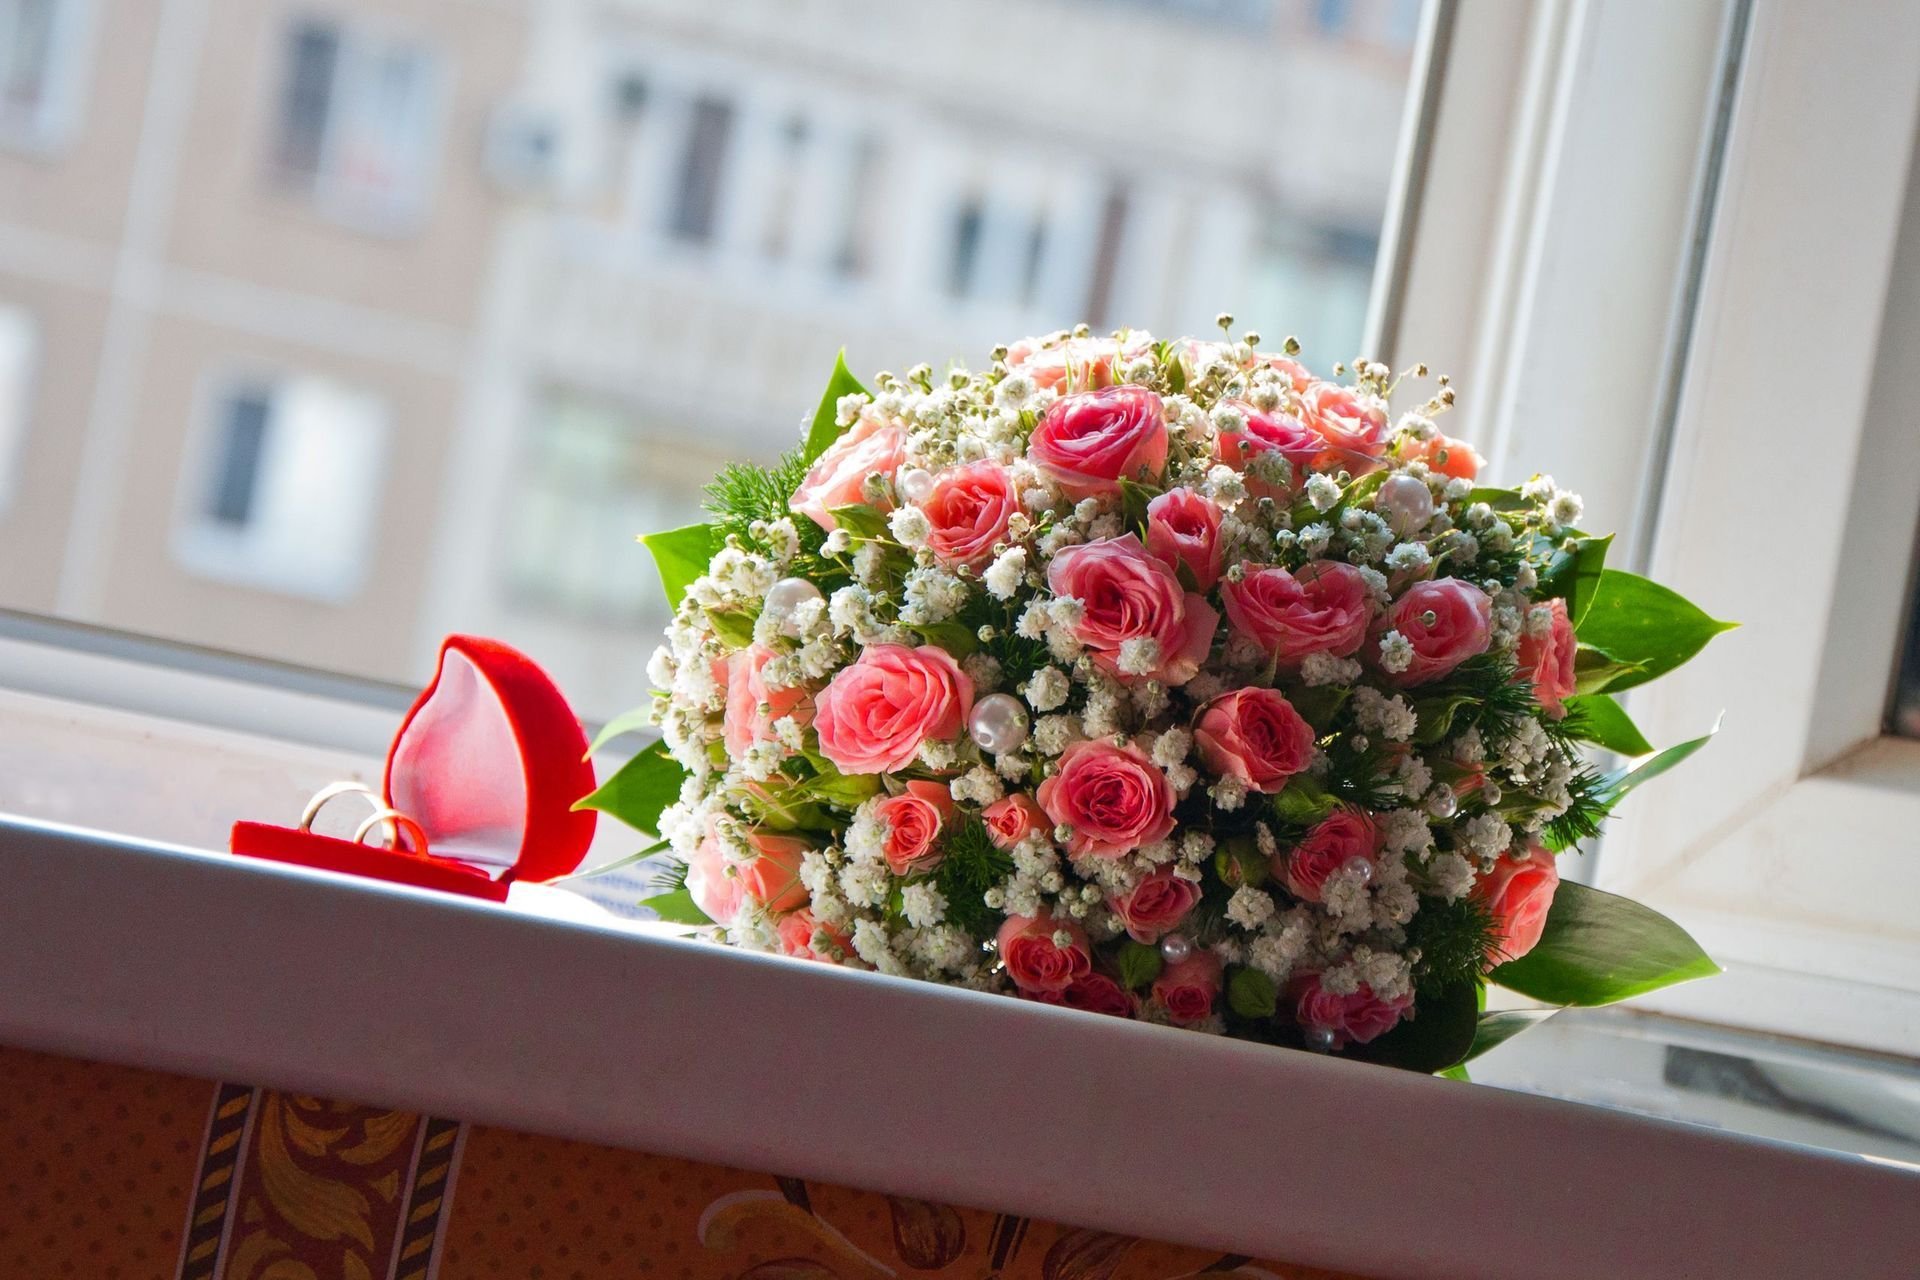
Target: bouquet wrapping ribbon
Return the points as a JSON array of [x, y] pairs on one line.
[[478, 789]]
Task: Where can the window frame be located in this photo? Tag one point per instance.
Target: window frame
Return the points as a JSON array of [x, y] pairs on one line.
[[1769, 854]]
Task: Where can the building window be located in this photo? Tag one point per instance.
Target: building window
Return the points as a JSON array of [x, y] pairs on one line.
[[1106, 255], [852, 256], [41, 46], [591, 479], [19, 352], [696, 203], [969, 224], [357, 123], [287, 491]]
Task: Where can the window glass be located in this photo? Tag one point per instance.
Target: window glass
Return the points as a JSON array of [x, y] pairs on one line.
[[505, 283], [39, 68], [19, 349]]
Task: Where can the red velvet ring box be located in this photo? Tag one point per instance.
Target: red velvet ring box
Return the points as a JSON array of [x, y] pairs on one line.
[[488, 762]]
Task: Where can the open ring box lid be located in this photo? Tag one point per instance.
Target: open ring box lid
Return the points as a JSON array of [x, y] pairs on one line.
[[488, 762]]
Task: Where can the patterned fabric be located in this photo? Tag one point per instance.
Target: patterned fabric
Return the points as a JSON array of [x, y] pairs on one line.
[[112, 1173]]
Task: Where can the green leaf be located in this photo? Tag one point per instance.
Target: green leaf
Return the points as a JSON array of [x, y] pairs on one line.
[[626, 722], [1438, 1033], [826, 419], [1499, 499], [861, 520], [676, 908], [1435, 715], [1625, 780], [1495, 1029], [1252, 994], [681, 555], [1139, 964], [1599, 948], [659, 846], [735, 626], [843, 791], [1319, 704], [1639, 622], [641, 788], [1598, 719], [956, 638], [1575, 576], [1596, 672], [1458, 1071], [1303, 801]]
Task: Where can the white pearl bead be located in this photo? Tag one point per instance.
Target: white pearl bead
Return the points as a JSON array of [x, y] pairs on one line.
[[998, 724], [1174, 948], [914, 483], [1362, 869], [1443, 803], [787, 595], [1406, 503], [1320, 1039]]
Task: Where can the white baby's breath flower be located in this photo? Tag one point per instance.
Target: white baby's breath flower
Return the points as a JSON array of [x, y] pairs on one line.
[[1249, 908], [1396, 652], [1006, 573], [1323, 491], [1046, 689], [910, 526]]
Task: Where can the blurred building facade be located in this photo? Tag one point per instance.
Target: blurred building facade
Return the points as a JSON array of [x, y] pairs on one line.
[[328, 326]]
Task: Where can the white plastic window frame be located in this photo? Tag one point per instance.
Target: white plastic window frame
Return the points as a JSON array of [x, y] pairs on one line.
[[1790, 504]]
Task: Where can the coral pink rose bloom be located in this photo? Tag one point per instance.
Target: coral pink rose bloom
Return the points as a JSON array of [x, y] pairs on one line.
[[1355, 1018], [1187, 988], [772, 878], [1183, 532], [1128, 594], [1075, 362], [1254, 735], [874, 714], [1519, 892], [1094, 993], [1446, 620], [839, 474], [1036, 963], [1156, 905], [1352, 423], [969, 508], [1548, 660], [1343, 836], [914, 819], [796, 931], [1089, 442], [712, 882], [751, 706], [1269, 433], [1324, 608], [1112, 797], [1013, 818], [1445, 455]]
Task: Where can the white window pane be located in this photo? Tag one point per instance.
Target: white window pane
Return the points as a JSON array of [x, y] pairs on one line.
[[19, 355]]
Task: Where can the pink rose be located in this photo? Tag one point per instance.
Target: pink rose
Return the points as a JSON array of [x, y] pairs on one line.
[[1547, 660], [1035, 961], [969, 508], [1127, 594], [1269, 433], [1519, 892], [1183, 531], [914, 819], [1254, 735], [1343, 836], [1445, 455], [1446, 620], [1323, 608], [1355, 1018], [1093, 993], [1352, 423], [751, 706], [839, 474], [1113, 797], [1013, 818], [796, 932], [712, 883], [1087, 443], [772, 878], [1077, 362], [1156, 905], [874, 714], [1186, 989]]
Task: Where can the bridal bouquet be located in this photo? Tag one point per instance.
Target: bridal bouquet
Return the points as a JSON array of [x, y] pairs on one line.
[[1166, 680]]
